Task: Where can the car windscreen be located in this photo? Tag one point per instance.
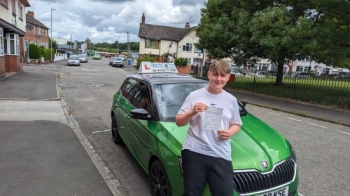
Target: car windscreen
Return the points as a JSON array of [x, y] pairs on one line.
[[73, 58], [118, 59], [81, 55], [170, 97]]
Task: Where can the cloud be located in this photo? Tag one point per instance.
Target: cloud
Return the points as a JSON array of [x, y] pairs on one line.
[[105, 20]]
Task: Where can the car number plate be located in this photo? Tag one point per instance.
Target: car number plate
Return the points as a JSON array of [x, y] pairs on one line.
[[280, 192]]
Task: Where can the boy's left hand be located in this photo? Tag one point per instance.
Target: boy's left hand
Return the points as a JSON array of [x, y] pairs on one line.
[[224, 134]]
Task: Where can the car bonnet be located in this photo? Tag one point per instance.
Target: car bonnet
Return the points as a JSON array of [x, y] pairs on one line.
[[254, 143]]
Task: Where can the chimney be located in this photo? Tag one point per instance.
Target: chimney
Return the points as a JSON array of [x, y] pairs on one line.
[[187, 26], [143, 18], [31, 13]]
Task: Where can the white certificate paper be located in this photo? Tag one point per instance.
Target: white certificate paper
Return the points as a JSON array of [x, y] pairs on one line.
[[212, 118]]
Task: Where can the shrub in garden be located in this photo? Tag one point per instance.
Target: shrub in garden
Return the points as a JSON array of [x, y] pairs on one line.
[[34, 51], [181, 61], [144, 58]]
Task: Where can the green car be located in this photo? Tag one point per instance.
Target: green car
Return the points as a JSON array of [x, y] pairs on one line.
[[143, 118], [97, 56]]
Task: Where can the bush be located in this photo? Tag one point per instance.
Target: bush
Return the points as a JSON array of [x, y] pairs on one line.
[[144, 58], [34, 51], [181, 61], [46, 53]]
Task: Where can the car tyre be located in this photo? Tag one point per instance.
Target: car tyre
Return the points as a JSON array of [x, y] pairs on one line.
[[115, 133], [158, 179]]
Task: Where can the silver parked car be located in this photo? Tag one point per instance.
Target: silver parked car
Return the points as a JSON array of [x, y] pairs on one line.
[[73, 60], [83, 58], [117, 62]]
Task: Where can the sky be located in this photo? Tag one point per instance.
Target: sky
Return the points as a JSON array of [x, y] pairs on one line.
[[105, 20]]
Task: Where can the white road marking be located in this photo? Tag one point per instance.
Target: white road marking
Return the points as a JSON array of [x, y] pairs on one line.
[[300, 194], [274, 114], [101, 131], [317, 125], [343, 132], [294, 119]]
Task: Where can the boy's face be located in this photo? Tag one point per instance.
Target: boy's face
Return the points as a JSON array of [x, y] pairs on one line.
[[217, 79]]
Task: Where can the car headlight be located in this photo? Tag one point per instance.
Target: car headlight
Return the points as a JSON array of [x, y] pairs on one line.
[[293, 155]]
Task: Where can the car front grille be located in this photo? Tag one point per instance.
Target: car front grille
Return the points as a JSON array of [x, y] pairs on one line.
[[254, 181]]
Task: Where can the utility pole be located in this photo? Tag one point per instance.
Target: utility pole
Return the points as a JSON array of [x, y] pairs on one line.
[[51, 37], [118, 45], [89, 42], [128, 36]]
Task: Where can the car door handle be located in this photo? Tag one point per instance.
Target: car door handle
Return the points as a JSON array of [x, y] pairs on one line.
[[127, 116], [116, 105]]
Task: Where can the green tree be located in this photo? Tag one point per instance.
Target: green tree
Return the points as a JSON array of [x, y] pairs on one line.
[[54, 44], [279, 30]]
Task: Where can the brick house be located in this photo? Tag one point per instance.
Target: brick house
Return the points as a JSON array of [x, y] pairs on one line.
[[12, 27], [36, 33], [159, 40]]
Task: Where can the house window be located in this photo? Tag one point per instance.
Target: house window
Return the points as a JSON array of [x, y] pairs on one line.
[[152, 44], [189, 61], [4, 3], [187, 47], [197, 50], [20, 11], [1, 42], [39, 31], [45, 31], [34, 29], [14, 7], [25, 44], [12, 43]]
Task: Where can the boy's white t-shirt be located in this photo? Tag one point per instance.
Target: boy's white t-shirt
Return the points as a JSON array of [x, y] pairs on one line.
[[208, 142]]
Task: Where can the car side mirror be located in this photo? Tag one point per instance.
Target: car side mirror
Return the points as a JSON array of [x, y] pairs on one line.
[[140, 113], [243, 103]]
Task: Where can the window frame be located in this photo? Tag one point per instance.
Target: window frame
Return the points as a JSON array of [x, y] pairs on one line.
[[148, 43], [12, 44], [20, 11], [14, 7], [2, 42], [187, 47], [197, 50], [4, 3]]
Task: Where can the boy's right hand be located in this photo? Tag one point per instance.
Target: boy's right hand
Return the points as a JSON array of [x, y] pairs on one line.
[[199, 107]]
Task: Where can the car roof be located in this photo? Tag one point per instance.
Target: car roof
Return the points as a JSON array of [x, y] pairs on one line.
[[166, 78]]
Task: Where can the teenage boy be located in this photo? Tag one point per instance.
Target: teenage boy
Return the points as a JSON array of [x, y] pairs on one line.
[[213, 115]]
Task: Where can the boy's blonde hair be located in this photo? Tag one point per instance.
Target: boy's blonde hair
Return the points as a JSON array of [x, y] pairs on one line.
[[219, 66]]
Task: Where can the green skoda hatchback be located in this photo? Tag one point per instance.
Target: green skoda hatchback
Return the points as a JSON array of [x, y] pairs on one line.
[[143, 118]]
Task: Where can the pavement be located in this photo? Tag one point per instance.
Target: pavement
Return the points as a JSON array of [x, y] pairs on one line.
[[337, 116], [41, 153]]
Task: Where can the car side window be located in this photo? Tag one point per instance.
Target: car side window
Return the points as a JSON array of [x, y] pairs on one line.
[[128, 87], [143, 98]]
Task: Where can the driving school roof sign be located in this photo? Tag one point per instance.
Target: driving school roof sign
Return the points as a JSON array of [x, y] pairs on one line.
[[148, 67]]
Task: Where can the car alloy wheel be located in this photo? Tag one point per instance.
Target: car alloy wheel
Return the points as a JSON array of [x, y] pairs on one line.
[[159, 181], [115, 134]]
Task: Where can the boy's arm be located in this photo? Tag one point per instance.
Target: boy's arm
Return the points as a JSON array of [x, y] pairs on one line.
[[185, 118], [227, 134]]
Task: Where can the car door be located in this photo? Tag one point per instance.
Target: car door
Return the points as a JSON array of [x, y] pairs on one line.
[[140, 128], [122, 109]]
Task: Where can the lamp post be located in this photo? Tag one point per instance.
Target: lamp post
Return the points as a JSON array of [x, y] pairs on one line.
[[39, 36], [28, 27], [51, 38]]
